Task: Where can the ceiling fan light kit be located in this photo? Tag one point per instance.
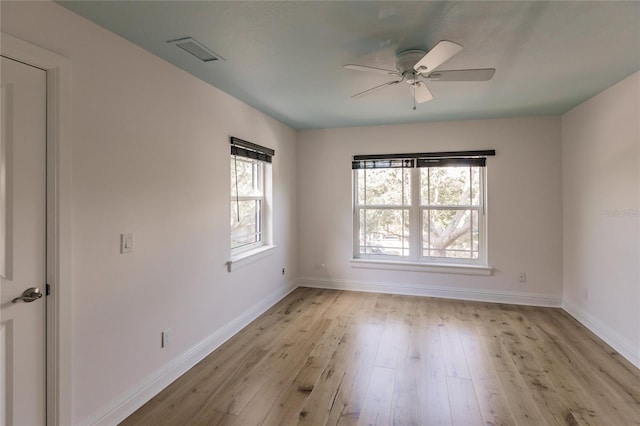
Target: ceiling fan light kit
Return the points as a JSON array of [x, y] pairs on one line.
[[416, 67]]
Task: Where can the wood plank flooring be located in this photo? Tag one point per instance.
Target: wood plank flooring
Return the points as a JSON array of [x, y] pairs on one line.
[[324, 357]]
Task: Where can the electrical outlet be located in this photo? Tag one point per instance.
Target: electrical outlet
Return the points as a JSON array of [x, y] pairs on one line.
[[523, 277], [165, 338]]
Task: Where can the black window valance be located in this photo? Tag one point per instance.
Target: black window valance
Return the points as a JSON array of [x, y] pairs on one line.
[[242, 148], [423, 159], [384, 164]]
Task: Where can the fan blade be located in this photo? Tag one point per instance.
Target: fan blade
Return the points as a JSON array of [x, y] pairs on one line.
[[442, 52], [483, 74], [422, 93], [370, 69], [375, 89]]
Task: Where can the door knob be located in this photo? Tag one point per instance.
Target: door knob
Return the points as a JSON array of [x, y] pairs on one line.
[[29, 295]]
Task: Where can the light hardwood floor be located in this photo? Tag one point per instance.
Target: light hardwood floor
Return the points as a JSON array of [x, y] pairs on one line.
[[332, 357]]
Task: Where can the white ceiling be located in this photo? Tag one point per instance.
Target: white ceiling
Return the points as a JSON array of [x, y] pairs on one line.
[[285, 58]]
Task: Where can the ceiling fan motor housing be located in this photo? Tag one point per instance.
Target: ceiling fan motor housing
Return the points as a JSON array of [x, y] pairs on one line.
[[405, 62]]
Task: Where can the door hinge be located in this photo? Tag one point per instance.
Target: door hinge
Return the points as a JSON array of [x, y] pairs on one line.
[[47, 289]]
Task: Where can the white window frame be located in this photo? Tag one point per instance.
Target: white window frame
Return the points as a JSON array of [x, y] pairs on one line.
[[416, 225], [261, 198]]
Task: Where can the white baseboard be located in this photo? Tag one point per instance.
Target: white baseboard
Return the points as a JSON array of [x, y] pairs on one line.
[[516, 298], [621, 344], [130, 401]]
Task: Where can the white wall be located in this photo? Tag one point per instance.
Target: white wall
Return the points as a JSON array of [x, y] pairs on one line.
[[151, 156], [524, 207], [601, 199]]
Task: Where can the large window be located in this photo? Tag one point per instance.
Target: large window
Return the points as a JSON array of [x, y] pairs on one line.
[[420, 209], [249, 175]]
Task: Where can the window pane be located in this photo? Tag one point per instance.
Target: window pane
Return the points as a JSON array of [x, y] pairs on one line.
[[475, 232], [387, 231], [248, 173], [361, 185], [450, 233], [475, 186], [407, 186], [247, 229], [448, 186], [384, 187], [363, 239]]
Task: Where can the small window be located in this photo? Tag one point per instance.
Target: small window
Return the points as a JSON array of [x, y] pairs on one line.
[[247, 201], [249, 185], [428, 210]]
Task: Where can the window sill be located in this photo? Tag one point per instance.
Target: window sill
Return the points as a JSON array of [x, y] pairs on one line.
[[444, 268], [250, 256]]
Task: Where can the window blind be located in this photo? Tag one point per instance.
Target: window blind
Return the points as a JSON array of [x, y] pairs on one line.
[[242, 148], [384, 164], [423, 159]]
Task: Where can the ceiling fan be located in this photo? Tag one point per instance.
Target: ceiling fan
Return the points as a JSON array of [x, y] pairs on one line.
[[416, 67]]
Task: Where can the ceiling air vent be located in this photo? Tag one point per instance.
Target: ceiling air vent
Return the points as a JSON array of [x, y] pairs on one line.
[[197, 49]]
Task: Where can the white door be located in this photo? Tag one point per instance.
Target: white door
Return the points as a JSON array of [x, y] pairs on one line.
[[22, 244]]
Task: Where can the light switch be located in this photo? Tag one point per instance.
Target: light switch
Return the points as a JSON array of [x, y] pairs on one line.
[[126, 243]]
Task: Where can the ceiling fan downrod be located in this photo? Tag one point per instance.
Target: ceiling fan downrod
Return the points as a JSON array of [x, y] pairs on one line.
[[414, 95]]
